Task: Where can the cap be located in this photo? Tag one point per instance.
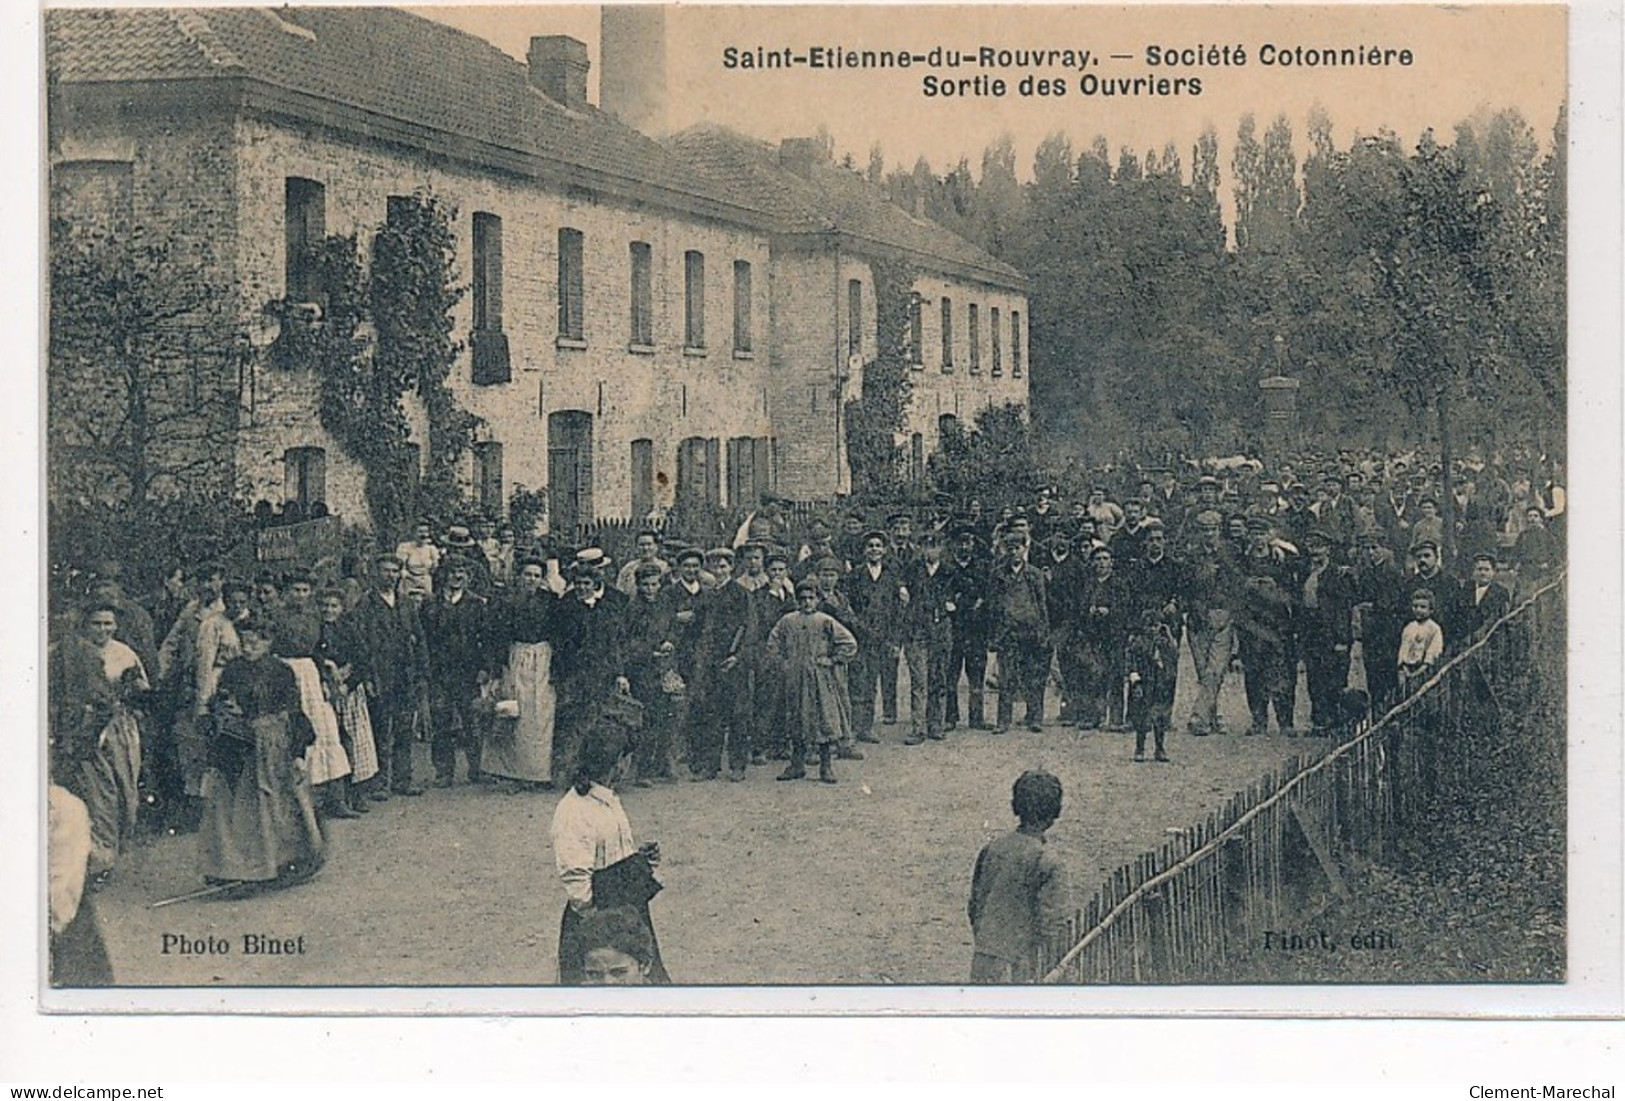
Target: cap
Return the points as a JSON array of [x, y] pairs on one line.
[[646, 570], [457, 536], [1207, 480], [1210, 517], [829, 565], [1153, 524], [1258, 523], [717, 554], [458, 562], [775, 555], [806, 585], [1426, 544], [874, 533], [1318, 535], [899, 518], [1099, 549], [931, 538], [690, 554]]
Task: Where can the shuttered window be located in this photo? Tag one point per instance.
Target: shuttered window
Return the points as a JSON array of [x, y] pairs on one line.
[[993, 331], [741, 306], [643, 298], [571, 279], [693, 299], [305, 203], [975, 335]]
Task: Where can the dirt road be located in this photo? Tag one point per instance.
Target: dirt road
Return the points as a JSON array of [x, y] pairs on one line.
[[861, 882]]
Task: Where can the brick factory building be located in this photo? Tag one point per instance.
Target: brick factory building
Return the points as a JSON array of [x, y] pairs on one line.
[[647, 319]]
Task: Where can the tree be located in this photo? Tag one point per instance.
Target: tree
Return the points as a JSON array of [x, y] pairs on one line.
[[876, 173], [1412, 240], [995, 462], [142, 370]]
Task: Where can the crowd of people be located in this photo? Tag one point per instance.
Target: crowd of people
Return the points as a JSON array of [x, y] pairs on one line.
[[253, 711]]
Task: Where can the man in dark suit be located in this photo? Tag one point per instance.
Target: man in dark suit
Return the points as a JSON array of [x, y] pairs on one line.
[[1325, 599], [970, 630], [876, 592], [589, 662], [1483, 600], [457, 626], [933, 597], [397, 653], [1066, 577], [723, 694]]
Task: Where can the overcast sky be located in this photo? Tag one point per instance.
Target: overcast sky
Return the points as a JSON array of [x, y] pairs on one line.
[[1466, 59]]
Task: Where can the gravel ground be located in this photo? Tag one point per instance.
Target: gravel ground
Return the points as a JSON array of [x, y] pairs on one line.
[[861, 882]]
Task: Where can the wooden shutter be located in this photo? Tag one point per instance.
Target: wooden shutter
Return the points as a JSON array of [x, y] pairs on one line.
[[643, 478]]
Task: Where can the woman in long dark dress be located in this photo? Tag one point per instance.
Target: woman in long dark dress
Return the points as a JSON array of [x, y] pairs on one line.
[[259, 821]]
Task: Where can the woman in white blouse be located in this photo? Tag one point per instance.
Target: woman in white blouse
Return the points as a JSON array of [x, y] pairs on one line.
[[591, 833]]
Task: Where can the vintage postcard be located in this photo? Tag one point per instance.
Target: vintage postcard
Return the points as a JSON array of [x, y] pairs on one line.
[[1027, 508]]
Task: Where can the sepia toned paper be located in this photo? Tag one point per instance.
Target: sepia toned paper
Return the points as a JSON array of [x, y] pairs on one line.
[[763, 154]]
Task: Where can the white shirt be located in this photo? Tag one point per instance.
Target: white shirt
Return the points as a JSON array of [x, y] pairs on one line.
[[590, 832], [117, 657]]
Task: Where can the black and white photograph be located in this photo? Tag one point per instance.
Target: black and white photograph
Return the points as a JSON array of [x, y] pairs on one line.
[[800, 496]]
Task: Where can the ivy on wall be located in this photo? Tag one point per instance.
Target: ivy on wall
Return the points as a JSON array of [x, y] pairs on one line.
[[408, 297], [877, 415]]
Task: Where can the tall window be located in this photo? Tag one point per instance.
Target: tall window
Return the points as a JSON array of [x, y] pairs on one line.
[[643, 326], [488, 478], [975, 339], [915, 352], [916, 458], [854, 317], [741, 306], [571, 315], [1015, 344], [693, 299], [304, 477], [489, 346], [947, 335], [699, 463], [993, 331], [305, 207]]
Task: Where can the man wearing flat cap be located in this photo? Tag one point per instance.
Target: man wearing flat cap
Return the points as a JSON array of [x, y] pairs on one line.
[[769, 603], [878, 594], [1066, 577], [934, 596], [1325, 621], [720, 714], [970, 629], [463, 654], [1018, 600], [1264, 630], [1209, 597], [589, 661]]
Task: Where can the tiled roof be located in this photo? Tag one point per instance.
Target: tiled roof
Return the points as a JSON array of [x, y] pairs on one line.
[[828, 199], [379, 60]]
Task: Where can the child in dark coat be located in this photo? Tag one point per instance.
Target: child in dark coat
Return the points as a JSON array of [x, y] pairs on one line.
[[1153, 660]]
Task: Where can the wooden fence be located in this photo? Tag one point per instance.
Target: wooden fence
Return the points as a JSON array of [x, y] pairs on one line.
[[1274, 853]]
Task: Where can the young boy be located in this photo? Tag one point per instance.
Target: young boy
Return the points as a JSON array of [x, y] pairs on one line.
[[1018, 893], [1422, 642], [1153, 658]]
